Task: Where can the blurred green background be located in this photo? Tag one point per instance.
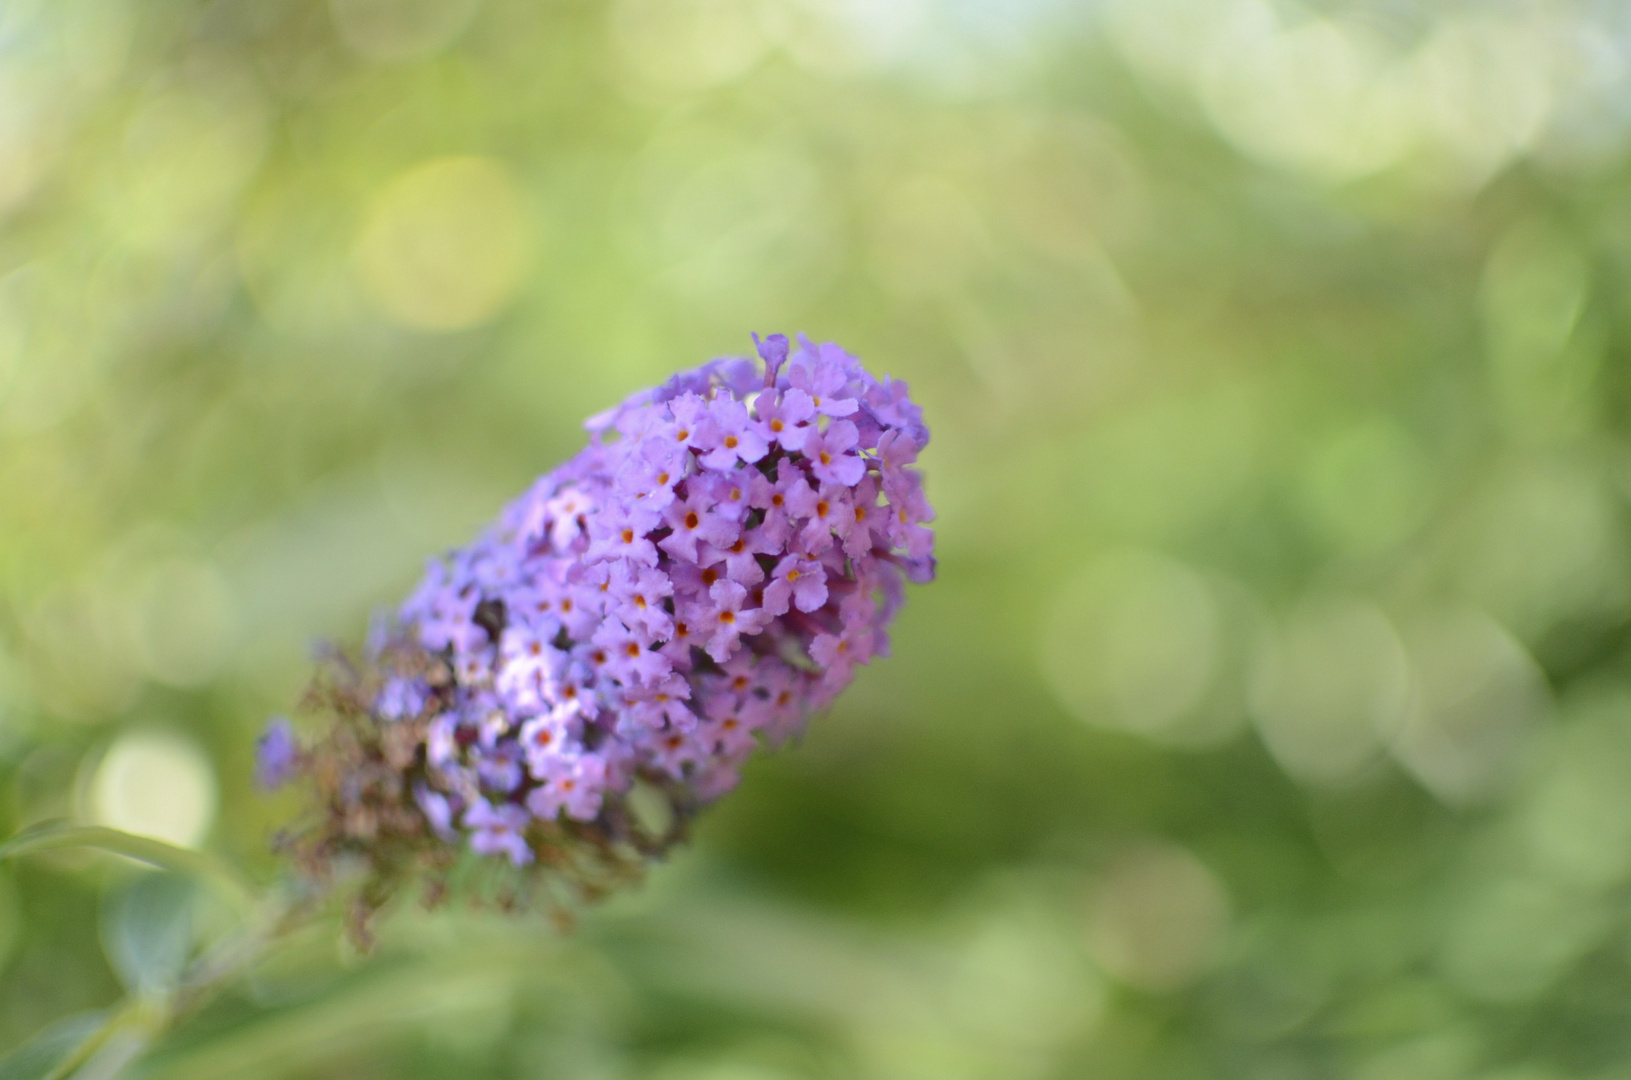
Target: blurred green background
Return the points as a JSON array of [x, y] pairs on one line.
[[1272, 715]]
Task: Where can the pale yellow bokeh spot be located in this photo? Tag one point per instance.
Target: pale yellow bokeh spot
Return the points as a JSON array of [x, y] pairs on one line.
[[445, 245], [1479, 701], [689, 44], [1158, 917], [155, 784], [1134, 643], [1330, 689]]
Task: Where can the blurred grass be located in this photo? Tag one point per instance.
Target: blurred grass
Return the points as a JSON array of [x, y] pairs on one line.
[[1270, 717]]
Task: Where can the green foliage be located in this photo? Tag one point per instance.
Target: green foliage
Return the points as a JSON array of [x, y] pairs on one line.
[[53, 835], [35, 1059], [147, 932]]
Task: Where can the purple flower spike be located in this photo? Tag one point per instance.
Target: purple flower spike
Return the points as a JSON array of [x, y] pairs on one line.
[[706, 573]]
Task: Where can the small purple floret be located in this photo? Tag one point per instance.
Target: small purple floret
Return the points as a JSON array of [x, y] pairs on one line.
[[277, 755]]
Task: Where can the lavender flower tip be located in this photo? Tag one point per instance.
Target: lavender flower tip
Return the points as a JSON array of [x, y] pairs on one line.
[[277, 755]]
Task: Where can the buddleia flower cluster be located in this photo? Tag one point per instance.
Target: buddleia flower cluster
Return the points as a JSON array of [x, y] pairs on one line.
[[707, 573]]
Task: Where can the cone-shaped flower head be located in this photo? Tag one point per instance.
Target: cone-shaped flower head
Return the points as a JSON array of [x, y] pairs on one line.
[[704, 575]]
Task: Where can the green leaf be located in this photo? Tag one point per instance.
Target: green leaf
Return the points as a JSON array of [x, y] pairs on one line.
[[40, 1055], [147, 931], [57, 834]]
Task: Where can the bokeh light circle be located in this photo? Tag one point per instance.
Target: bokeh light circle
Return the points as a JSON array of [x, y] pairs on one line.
[[446, 244], [158, 784]]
